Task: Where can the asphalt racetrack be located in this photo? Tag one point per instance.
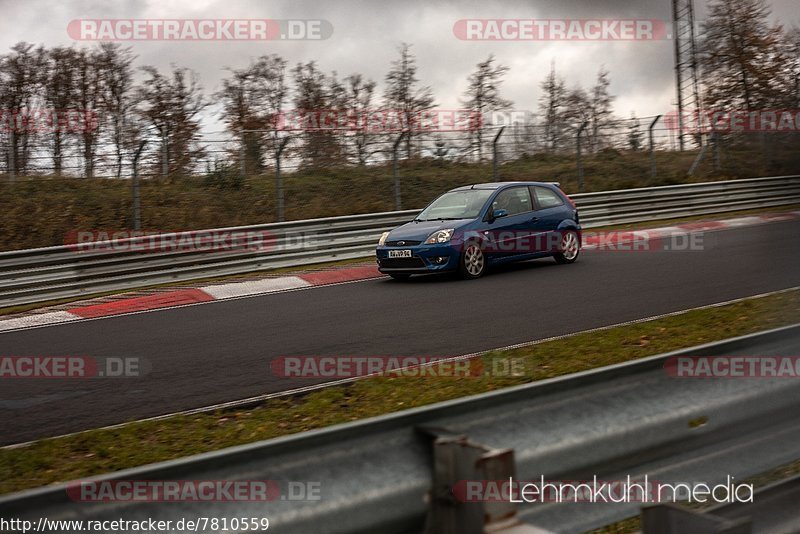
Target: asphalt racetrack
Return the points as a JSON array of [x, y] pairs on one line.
[[221, 351]]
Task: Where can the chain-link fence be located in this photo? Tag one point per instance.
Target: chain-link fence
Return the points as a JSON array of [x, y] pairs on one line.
[[258, 176], [33, 153]]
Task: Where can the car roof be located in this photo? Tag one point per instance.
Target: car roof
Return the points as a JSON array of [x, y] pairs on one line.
[[498, 185]]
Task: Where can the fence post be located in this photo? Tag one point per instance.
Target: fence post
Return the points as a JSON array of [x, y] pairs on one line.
[[164, 159], [398, 204], [12, 156], [698, 159], [243, 156], [578, 154], [494, 153], [137, 213], [279, 178], [653, 170]]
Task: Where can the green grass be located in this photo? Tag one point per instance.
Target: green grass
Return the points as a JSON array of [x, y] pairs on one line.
[[138, 443]]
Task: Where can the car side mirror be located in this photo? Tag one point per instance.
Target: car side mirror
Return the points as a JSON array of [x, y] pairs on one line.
[[493, 214], [496, 214]]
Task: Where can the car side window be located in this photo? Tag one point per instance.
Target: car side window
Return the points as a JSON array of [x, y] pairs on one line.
[[547, 198], [514, 200]]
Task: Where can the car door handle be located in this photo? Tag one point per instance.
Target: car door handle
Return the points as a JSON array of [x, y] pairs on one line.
[[535, 219]]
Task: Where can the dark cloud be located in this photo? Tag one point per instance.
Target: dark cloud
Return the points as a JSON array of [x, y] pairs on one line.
[[367, 33]]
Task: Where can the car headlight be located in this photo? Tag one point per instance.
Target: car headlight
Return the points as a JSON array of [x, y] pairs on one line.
[[439, 236], [382, 240]]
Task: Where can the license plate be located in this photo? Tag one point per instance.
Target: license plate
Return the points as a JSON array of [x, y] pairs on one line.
[[399, 253]]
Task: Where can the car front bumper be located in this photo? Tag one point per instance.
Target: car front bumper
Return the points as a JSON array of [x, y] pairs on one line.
[[424, 259]]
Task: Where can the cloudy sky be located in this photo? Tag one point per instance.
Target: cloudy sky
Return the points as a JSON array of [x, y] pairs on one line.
[[366, 34]]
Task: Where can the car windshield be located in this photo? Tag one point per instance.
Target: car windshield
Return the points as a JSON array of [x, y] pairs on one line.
[[464, 204]]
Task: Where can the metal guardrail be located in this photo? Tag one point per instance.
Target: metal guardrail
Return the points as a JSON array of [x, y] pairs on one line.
[[391, 474], [773, 511], [35, 275]]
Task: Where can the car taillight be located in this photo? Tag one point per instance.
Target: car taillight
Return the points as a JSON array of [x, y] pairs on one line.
[[570, 201]]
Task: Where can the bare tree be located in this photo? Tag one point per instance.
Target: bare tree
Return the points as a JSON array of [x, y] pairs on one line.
[[252, 100], [89, 100], [403, 95], [600, 112], [316, 93], [20, 84], [272, 91], [740, 56], [577, 112], [172, 106], [60, 94], [358, 100], [340, 130], [350, 101], [553, 107], [240, 113], [483, 97], [791, 47], [634, 134], [116, 92]]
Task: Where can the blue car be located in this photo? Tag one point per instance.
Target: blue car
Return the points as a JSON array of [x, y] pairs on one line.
[[470, 228]]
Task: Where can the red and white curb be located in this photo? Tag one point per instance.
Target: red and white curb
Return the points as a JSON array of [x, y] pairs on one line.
[[181, 297], [255, 287], [37, 320]]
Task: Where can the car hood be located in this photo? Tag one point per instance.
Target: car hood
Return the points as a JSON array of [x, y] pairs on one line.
[[420, 230]]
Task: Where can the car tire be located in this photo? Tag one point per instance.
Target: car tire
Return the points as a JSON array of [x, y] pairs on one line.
[[569, 248], [400, 276], [472, 263]]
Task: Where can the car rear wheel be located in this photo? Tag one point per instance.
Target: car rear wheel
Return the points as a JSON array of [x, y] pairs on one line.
[[473, 261], [569, 248]]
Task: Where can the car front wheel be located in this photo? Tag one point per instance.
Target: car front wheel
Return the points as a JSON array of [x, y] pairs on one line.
[[473, 261]]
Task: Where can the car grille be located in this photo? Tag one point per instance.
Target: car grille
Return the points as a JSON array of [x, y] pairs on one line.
[[402, 263], [402, 243]]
